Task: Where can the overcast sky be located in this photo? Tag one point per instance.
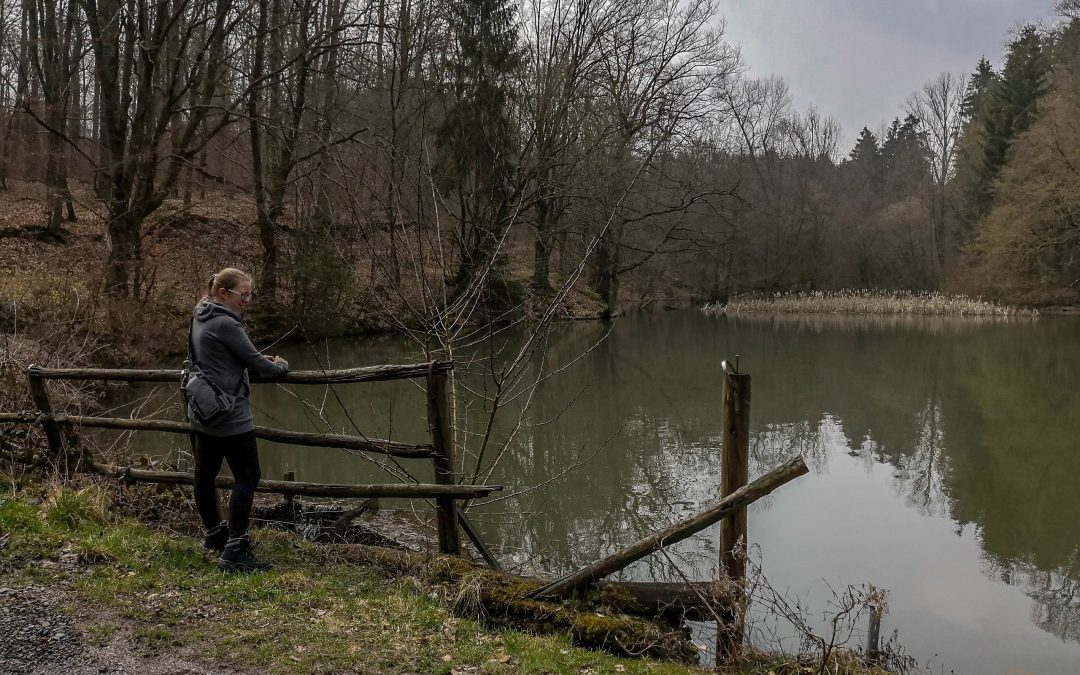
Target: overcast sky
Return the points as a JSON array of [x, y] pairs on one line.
[[858, 60]]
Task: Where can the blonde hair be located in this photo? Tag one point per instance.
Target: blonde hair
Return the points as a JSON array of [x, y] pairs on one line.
[[228, 278]]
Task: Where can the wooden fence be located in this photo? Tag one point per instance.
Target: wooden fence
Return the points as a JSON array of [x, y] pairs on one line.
[[730, 511], [446, 491]]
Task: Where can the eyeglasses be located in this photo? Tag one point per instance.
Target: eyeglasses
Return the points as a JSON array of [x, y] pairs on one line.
[[243, 296]]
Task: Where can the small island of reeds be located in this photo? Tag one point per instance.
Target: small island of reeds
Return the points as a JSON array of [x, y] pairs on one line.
[[853, 301]]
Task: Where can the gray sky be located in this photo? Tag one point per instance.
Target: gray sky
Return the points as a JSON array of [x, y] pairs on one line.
[[858, 60]]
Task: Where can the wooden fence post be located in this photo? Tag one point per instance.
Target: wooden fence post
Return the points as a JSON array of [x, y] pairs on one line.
[[289, 476], [40, 395], [873, 639], [442, 439], [733, 475]]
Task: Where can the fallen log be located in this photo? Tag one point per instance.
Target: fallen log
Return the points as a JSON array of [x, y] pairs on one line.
[[602, 621], [786, 472], [405, 490]]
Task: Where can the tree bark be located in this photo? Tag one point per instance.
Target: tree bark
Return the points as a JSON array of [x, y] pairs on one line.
[[607, 273]]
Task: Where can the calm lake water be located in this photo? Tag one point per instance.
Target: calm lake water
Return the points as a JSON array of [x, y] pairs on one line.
[[944, 461]]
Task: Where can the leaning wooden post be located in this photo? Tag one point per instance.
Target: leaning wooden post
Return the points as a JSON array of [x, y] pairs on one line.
[[442, 440], [733, 475], [40, 395]]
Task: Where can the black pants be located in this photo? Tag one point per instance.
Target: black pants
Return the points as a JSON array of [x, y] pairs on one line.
[[242, 454]]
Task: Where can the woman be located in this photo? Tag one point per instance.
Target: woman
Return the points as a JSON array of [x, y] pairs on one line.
[[225, 355]]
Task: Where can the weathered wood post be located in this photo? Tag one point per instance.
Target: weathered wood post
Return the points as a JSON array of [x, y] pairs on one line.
[[40, 395], [873, 637], [290, 476], [441, 425], [733, 475]]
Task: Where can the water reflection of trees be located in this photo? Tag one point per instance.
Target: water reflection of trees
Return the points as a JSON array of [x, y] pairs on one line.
[[920, 473], [875, 323], [957, 409], [960, 410], [774, 443], [976, 419], [1057, 598], [978, 422]]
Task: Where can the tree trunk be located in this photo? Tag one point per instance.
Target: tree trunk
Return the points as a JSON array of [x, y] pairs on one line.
[[22, 86], [267, 227], [124, 255], [55, 184], [268, 274], [52, 60], [607, 273], [541, 280]]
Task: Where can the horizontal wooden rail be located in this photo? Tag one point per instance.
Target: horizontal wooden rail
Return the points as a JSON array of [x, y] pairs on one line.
[[405, 490], [376, 445], [344, 376]]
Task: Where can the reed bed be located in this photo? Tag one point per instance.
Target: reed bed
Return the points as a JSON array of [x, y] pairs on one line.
[[867, 302]]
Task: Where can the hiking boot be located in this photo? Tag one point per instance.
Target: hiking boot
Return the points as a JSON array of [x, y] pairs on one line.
[[217, 537], [237, 557]]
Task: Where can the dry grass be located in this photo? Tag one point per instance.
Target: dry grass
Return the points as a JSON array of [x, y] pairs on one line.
[[867, 302]]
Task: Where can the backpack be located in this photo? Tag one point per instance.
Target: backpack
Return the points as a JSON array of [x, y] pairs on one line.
[[204, 400]]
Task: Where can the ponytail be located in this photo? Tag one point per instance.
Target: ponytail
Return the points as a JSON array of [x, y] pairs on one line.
[[228, 278]]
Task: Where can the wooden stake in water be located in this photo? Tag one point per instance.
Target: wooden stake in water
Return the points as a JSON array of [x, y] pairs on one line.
[[734, 471], [873, 637]]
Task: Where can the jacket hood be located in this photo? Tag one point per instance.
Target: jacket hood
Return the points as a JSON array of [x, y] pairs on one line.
[[208, 309]]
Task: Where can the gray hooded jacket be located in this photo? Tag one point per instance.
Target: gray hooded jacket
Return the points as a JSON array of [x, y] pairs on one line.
[[225, 354]]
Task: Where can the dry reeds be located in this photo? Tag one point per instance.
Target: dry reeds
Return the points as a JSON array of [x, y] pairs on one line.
[[867, 302]]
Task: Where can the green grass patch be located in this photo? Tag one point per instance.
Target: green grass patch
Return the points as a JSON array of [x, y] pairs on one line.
[[312, 614]]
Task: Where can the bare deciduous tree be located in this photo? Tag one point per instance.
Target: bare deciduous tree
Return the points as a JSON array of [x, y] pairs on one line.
[[938, 105], [142, 87]]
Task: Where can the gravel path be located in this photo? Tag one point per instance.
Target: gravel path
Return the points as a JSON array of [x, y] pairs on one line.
[[34, 633], [38, 637]]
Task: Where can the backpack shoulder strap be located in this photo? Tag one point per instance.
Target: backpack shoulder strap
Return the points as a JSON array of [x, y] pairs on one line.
[[190, 342]]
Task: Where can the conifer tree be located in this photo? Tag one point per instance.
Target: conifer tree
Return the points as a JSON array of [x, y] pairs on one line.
[[905, 156], [1012, 107], [477, 140], [980, 86], [864, 162], [866, 147]]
